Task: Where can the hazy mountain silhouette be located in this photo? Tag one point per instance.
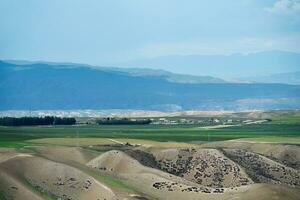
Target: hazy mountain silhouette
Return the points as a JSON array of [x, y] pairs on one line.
[[44, 86], [223, 66]]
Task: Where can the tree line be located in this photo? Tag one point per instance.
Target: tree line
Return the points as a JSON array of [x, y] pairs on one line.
[[122, 121], [30, 121]]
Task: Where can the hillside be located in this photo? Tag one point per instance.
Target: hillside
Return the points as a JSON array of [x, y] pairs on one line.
[[75, 173], [44, 86]]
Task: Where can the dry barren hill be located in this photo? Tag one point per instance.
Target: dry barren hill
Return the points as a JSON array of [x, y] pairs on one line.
[[54, 179], [162, 185], [263, 169], [65, 154], [207, 167], [12, 188], [148, 171], [288, 155], [151, 181]]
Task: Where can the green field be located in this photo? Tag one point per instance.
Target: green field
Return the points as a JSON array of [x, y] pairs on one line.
[[287, 119], [287, 127]]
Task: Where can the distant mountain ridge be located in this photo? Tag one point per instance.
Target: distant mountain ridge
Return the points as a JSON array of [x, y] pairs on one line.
[[260, 67], [233, 66], [42, 86], [169, 76], [287, 78]]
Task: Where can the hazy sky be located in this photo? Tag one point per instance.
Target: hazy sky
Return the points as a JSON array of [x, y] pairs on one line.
[[107, 31]]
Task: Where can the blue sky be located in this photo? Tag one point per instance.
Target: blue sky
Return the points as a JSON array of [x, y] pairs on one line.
[[110, 31]]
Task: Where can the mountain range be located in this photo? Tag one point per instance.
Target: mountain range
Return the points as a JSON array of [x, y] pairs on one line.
[[229, 67], [288, 78], [42, 85]]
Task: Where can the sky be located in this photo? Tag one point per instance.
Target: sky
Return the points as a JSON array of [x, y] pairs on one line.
[[102, 32]]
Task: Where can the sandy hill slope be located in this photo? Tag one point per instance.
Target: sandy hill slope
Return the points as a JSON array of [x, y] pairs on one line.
[[56, 179], [152, 180], [264, 170], [162, 185], [288, 155], [6, 154], [115, 161], [207, 167], [13, 188], [118, 162], [66, 154], [72, 173]]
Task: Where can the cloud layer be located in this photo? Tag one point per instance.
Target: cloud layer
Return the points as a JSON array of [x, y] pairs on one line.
[[286, 7]]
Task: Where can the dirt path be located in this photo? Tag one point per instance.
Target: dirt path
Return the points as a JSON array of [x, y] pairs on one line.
[[218, 126], [116, 141]]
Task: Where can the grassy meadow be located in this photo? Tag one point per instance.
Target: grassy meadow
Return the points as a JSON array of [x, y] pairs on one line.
[[284, 129]]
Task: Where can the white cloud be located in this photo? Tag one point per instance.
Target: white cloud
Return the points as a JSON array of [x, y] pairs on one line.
[[285, 7]]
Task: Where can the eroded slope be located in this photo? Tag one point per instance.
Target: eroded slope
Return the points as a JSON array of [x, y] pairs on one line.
[[207, 167]]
